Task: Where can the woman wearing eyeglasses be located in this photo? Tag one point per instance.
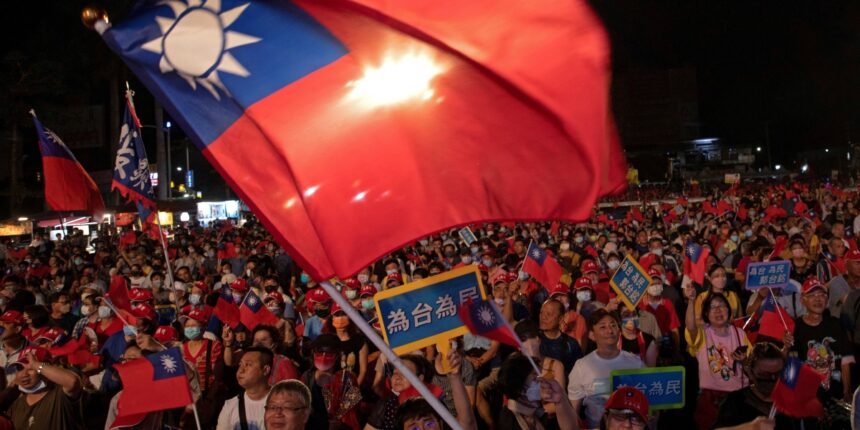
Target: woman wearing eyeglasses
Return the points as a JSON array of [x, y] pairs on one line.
[[720, 349]]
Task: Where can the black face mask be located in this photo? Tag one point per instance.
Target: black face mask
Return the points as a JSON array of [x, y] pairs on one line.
[[322, 313], [764, 386]]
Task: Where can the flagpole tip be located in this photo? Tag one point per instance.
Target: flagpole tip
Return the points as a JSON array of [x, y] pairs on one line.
[[95, 18]]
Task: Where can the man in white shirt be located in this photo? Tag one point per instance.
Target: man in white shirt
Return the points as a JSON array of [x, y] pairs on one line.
[[247, 410], [589, 380]]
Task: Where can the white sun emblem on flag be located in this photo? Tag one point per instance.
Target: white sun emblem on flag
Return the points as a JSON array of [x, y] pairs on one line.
[[195, 43], [168, 363], [252, 301], [485, 314], [536, 254]]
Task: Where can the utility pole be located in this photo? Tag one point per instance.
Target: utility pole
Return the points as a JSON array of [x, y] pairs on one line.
[[161, 154]]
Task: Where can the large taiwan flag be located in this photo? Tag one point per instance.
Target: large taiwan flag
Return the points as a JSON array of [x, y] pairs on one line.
[[332, 118]]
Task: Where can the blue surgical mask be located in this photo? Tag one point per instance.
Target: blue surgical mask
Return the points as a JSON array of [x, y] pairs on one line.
[[367, 304], [129, 331], [734, 238], [304, 278], [192, 333], [533, 391]]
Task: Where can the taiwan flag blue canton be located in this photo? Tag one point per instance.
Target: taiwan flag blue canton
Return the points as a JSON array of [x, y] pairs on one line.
[[131, 169], [253, 312], [68, 187], [483, 318], [274, 92], [153, 383]]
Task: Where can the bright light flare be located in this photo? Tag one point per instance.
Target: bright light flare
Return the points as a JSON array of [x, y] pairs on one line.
[[396, 80], [804, 168]]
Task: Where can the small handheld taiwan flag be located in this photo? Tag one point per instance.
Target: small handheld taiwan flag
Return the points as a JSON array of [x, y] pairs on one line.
[[541, 266], [483, 319], [795, 394], [694, 261], [252, 312], [152, 383]]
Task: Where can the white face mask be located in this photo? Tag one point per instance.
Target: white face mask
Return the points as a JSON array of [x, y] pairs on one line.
[[583, 296], [657, 251], [194, 299], [351, 294], [499, 301], [533, 392], [466, 259], [362, 278], [40, 386], [613, 264], [391, 271], [104, 311], [488, 263], [655, 290], [86, 310]]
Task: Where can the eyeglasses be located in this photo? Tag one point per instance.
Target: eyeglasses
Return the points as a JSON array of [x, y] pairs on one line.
[[718, 306], [632, 417], [428, 423], [281, 409]]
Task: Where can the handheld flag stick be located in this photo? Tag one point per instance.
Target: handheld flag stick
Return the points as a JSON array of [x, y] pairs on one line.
[[781, 318], [373, 336], [772, 412], [521, 347], [196, 416], [115, 311]]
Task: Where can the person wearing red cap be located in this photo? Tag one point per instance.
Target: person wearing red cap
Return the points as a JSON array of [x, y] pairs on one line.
[[664, 312], [204, 354], [353, 345], [820, 341], [627, 408], [50, 395], [319, 302], [367, 307], [585, 298], [12, 342], [572, 324]]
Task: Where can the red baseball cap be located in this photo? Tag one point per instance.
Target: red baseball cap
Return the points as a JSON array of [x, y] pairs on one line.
[[165, 333], [274, 295], [499, 277], [395, 277], [239, 285], [512, 276], [41, 354], [559, 288], [654, 273], [317, 295], [198, 315], [140, 294], [352, 284], [589, 266], [852, 255], [583, 282], [201, 285], [483, 267], [812, 283], [52, 334], [367, 290], [13, 317], [145, 311], [629, 399]]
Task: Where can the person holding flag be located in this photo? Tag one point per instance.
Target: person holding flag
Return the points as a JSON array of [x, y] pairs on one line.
[[719, 347], [820, 342]]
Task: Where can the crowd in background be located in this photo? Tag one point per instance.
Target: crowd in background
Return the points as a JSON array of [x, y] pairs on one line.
[[315, 369]]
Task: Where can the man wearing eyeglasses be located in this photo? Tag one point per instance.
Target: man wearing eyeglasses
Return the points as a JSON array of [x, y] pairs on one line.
[[246, 411], [820, 341], [288, 406]]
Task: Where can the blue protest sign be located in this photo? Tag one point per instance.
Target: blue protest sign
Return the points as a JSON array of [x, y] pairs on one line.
[[664, 386], [424, 312], [768, 274], [630, 282]]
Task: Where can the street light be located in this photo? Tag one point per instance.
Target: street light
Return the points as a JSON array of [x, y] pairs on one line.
[[826, 149], [758, 149], [778, 166], [178, 168], [804, 168]]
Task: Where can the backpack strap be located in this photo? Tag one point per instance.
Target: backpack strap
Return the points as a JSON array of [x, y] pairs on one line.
[[243, 418]]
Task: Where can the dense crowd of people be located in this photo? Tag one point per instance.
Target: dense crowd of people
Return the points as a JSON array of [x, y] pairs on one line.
[[314, 369]]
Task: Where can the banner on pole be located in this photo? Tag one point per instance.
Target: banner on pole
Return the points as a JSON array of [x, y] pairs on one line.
[[630, 282], [424, 312], [664, 386], [768, 274]]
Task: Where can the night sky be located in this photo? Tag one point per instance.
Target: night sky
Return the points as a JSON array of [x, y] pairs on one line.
[[793, 67]]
